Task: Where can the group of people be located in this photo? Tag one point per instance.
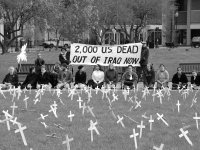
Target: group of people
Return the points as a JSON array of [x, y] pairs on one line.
[[61, 75]]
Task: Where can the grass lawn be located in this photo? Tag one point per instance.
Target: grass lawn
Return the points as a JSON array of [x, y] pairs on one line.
[[171, 58], [112, 135]]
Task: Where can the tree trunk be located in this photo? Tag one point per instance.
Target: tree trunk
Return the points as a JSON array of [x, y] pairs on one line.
[[4, 49]]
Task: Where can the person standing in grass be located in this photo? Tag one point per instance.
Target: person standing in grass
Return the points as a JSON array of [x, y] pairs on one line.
[[143, 60], [80, 76], [111, 76], [149, 77], [39, 62], [64, 77], [162, 77], [129, 78], [179, 80], [97, 77], [11, 79]]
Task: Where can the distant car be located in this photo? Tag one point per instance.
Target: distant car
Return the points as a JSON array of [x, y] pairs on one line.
[[53, 43], [196, 41]]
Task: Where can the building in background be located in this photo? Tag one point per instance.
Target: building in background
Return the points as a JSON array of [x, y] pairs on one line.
[[181, 21]]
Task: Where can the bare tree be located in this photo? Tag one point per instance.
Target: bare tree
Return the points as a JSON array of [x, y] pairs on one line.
[[136, 14], [15, 15]]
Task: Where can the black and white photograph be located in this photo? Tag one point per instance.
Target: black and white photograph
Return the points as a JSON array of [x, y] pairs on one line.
[[99, 74]]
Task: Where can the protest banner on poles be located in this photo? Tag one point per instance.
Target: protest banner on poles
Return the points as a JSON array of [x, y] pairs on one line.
[[120, 55]]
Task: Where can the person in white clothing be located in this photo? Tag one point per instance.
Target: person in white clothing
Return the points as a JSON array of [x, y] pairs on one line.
[[97, 77]]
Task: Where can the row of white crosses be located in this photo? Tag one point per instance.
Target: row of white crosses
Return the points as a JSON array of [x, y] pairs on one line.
[[20, 127]]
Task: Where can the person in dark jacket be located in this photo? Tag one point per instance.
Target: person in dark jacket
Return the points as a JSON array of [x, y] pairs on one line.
[[80, 76], [38, 63], [111, 75], [129, 78], [11, 79], [195, 79], [143, 60], [31, 80], [62, 57], [54, 74], [44, 77], [179, 80], [149, 77]]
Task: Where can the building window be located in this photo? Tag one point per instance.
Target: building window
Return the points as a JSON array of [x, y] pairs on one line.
[[182, 5], [195, 5]]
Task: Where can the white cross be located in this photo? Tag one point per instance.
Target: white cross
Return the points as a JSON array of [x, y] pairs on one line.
[[58, 92], [159, 148], [160, 95], [44, 124], [67, 141], [53, 109], [184, 133], [167, 91], [14, 121], [35, 101], [97, 89], [130, 99], [138, 104], [150, 122], [160, 117], [120, 121], [141, 127], [72, 93], [8, 117], [83, 108], [134, 135], [79, 102], [125, 93], [1, 92], [93, 128], [178, 105], [115, 97], [13, 109], [196, 118], [145, 92], [19, 91], [43, 116], [128, 89], [194, 101], [22, 133], [90, 110], [54, 104], [70, 116], [25, 100], [144, 116]]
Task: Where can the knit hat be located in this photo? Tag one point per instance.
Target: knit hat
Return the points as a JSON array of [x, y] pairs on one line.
[[80, 67]]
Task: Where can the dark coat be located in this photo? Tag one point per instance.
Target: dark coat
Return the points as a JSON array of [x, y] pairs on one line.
[[111, 75], [12, 79], [38, 63], [65, 59], [46, 78], [183, 79], [80, 78], [196, 81], [144, 56], [149, 77], [31, 79]]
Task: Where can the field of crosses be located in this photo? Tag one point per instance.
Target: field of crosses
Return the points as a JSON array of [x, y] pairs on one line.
[[106, 119]]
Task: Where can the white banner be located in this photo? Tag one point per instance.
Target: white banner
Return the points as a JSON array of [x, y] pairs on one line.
[[120, 55]]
